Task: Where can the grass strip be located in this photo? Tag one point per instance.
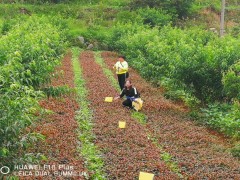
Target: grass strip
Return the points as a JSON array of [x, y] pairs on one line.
[[84, 118], [141, 118], [106, 71], [166, 157]]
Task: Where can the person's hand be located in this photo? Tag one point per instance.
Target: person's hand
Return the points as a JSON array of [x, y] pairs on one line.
[[117, 97]]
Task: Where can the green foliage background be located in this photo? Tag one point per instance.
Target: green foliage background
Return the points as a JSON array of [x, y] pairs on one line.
[[159, 38], [30, 50]]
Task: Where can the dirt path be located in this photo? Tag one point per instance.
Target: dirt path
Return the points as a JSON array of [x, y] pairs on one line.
[[61, 128], [128, 151], [200, 153]]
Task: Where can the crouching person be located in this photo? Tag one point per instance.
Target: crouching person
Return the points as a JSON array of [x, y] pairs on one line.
[[133, 100]]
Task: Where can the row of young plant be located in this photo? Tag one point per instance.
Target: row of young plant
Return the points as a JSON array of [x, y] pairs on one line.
[[84, 117], [140, 118], [193, 65], [29, 53]]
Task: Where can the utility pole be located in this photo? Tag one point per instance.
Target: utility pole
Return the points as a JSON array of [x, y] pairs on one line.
[[222, 19]]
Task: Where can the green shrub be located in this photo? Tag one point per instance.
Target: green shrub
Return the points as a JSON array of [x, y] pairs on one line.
[[231, 81], [154, 17], [194, 58], [145, 3], [214, 5], [224, 117], [129, 17], [236, 31], [119, 32], [29, 53], [179, 7], [57, 91], [8, 24]]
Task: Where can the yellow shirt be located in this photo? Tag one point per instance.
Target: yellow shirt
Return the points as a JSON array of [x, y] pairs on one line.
[[121, 67]]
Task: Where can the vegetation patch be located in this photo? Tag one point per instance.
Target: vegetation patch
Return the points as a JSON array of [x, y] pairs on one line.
[[84, 117], [30, 51]]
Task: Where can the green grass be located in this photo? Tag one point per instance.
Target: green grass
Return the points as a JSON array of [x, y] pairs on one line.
[[200, 4], [166, 157], [84, 117], [82, 19], [140, 117], [77, 11], [106, 71], [236, 151]]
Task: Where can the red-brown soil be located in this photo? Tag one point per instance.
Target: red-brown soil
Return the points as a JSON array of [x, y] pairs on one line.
[[61, 128], [128, 151]]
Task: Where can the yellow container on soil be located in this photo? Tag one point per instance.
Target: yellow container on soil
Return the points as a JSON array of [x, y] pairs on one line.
[[108, 99], [122, 124], [137, 104], [146, 176]]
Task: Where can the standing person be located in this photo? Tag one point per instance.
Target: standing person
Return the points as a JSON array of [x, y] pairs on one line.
[[131, 93], [121, 68]]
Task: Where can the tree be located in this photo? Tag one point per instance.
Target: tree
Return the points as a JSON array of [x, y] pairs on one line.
[[179, 7]]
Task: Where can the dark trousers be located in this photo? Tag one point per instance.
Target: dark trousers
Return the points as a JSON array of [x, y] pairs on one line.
[[127, 103], [121, 80]]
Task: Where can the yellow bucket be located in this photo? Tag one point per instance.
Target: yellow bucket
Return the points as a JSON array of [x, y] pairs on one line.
[[137, 104]]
